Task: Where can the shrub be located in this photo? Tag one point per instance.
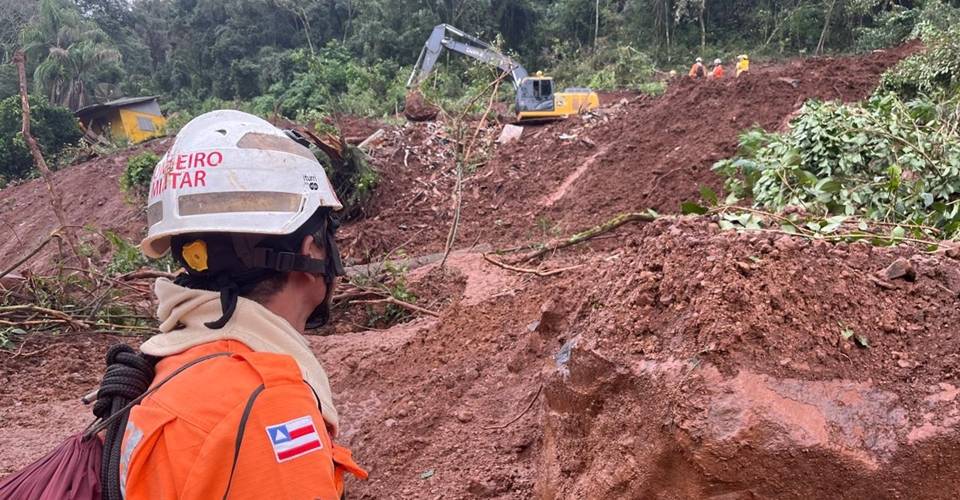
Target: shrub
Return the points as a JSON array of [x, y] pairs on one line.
[[332, 81], [935, 69], [53, 127], [606, 67], [891, 28], [887, 160], [136, 178]]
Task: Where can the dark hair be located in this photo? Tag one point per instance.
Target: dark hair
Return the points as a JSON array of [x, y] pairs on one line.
[[267, 288]]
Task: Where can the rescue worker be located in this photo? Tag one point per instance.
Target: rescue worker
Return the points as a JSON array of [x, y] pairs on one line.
[[717, 72], [697, 71], [246, 211], [743, 64]]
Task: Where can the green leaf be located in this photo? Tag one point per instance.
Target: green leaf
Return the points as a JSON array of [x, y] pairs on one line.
[[927, 199], [788, 228], [708, 195], [897, 233], [829, 185], [846, 333], [726, 225], [807, 178], [689, 207], [427, 474], [863, 341]]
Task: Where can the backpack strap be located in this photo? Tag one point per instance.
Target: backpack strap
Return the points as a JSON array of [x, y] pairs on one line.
[[96, 426], [238, 442]]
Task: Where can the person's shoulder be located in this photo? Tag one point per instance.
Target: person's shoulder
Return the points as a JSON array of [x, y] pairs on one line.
[[207, 391]]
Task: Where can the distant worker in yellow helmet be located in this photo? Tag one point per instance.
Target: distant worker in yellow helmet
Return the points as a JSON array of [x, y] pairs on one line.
[[743, 64]]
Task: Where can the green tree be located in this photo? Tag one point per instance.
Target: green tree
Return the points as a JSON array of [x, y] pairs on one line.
[[73, 54], [53, 126]]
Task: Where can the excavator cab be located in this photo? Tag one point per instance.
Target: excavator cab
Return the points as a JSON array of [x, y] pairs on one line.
[[536, 99], [535, 93]]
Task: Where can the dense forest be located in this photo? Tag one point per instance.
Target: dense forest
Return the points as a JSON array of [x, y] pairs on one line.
[[352, 55], [307, 60]]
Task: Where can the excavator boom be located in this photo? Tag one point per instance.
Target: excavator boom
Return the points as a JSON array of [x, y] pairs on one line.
[[443, 37], [536, 98]]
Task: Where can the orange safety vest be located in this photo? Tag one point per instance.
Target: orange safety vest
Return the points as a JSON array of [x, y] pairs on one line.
[[697, 71], [718, 71], [243, 426]]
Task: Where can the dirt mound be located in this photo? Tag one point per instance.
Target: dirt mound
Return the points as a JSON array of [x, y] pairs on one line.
[[91, 198], [707, 364], [636, 153], [688, 363], [417, 109]]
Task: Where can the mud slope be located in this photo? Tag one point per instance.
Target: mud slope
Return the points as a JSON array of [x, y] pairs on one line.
[[639, 153], [688, 364], [91, 199], [715, 365]]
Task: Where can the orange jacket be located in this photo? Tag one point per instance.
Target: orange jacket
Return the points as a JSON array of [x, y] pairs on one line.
[[718, 71], [697, 67], [182, 441]]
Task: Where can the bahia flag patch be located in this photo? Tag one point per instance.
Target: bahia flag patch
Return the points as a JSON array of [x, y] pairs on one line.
[[294, 438]]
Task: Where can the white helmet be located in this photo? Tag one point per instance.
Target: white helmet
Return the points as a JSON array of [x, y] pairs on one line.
[[717, 61], [231, 172], [699, 59]]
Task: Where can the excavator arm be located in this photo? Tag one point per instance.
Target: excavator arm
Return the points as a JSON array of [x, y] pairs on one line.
[[443, 37]]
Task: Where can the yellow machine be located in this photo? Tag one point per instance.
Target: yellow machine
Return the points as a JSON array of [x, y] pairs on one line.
[[571, 101], [536, 99]]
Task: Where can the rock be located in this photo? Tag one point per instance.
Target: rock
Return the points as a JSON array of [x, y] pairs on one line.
[[464, 417], [901, 269], [510, 133], [551, 317], [389, 423], [765, 435], [786, 243]]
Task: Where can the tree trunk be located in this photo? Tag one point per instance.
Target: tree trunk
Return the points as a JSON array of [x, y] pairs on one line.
[[826, 28], [703, 29], [596, 24], [56, 198]]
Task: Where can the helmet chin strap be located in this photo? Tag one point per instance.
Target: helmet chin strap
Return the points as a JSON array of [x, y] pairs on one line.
[[334, 267]]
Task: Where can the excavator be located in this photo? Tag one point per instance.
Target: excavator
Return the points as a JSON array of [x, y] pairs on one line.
[[536, 99]]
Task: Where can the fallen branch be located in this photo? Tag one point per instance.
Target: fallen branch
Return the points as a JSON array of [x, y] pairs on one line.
[[30, 255], [397, 302], [373, 137], [529, 271], [146, 274], [524, 412], [582, 236]]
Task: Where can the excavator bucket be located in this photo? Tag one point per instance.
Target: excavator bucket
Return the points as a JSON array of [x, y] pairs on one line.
[[417, 109]]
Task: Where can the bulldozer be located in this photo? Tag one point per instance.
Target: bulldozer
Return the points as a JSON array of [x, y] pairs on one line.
[[536, 96]]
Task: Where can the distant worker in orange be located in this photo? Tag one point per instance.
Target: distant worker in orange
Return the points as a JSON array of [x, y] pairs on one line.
[[717, 72], [240, 407], [698, 71], [743, 64]]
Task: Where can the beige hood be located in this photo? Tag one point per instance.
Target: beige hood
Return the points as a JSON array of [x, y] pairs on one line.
[[252, 324]]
